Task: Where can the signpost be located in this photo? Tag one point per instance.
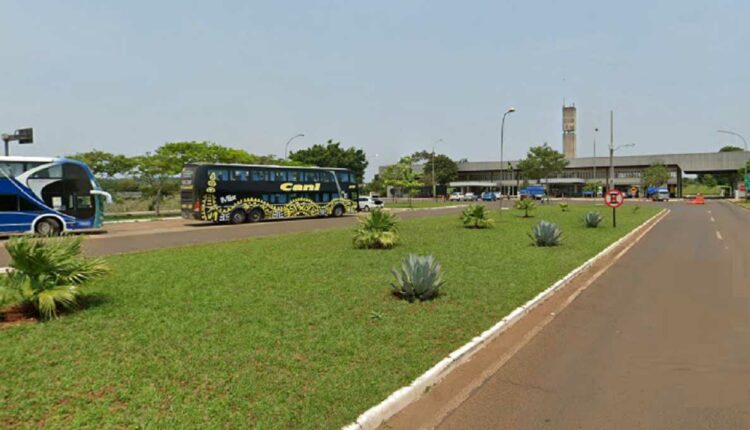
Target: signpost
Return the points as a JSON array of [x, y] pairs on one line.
[[614, 199], [747, 184]]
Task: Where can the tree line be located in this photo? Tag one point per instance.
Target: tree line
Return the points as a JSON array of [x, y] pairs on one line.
[[155, 174]]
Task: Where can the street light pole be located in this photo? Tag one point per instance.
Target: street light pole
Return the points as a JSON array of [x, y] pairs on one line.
[[502, 138], [434, 184], [744, 168], [596, 130], [611, 174], [286, 147]]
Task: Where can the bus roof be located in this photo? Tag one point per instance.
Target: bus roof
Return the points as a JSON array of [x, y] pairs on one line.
[[265, 166], [18, 158]]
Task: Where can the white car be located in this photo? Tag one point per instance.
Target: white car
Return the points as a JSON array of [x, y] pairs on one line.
[[470, 197], [368, 203], [456, 197]]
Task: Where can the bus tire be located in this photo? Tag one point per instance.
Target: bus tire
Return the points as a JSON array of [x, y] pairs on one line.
[[255, 215], [238, 216], [338, 211], [47, 227]]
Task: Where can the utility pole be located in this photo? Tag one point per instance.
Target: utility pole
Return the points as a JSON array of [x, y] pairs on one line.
[[596, 130], [611, 175], [502, 138], [434, 183]]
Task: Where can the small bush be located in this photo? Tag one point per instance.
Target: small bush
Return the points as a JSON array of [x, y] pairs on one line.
[[476, 216], [546, 234], [636, 208], [419, 278], [592, 219], [48, 274], [564, 207], [526, 205], [378, 230]]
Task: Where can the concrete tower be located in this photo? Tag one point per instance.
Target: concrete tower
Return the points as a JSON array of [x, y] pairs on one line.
[[569, 131]]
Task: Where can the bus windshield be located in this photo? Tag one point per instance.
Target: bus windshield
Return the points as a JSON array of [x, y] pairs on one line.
[[48, 196]]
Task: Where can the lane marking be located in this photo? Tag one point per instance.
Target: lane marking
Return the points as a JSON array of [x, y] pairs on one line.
[[712, 219], [718, 235]]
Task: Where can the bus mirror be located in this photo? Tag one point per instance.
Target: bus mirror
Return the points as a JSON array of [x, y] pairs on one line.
[[104, 194]]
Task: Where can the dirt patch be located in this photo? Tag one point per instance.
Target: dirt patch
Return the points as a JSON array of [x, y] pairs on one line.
[[17, 315]]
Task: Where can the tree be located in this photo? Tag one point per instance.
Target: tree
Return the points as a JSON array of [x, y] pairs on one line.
[[105, 163], [333, 155], [730, 148], [156, 173], [175, 155], [446, 170], [655, 175], [401, 175], [420, 156], [542, 162], [375, 186]]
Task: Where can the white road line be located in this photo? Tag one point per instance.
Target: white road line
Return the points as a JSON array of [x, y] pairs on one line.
[[718, 235], [712, 219]]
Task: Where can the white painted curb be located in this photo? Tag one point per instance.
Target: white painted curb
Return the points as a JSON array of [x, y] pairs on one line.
[[127, 221], [399, 399]]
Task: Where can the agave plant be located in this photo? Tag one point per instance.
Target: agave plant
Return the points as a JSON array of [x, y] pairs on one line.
[[526, 205], [48, 274], [475, 216], [546, 234], [592, 219], [419, 278], [379, 229], [564, 206]]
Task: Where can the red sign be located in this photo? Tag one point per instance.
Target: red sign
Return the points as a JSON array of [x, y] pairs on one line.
[[614, 198]]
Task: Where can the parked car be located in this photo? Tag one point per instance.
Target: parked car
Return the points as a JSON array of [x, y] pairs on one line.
[[368, 203], [498, 195], [660, 196], [456, 197], [489, 196], [535, 192], [470, 197]]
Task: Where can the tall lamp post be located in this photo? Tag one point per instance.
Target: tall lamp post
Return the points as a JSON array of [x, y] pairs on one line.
[[502, 138], [434, 184], [744, 168], [286, 147], [596, 130]]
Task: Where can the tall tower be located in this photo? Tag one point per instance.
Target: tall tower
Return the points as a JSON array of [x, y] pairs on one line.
[[569, 131]]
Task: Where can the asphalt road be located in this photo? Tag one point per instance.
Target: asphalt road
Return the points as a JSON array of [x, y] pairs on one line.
[[659, 341], [142, 236]]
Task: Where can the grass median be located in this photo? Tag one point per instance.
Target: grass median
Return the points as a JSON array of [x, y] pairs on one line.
[[292, 331]]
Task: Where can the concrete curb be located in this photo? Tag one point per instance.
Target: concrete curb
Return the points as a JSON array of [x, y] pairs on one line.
[[375, 416], [127, 221]]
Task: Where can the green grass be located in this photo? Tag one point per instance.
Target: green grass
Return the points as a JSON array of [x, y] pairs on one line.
[[276, 332], [418, 204], [121, 217], [693, 189]]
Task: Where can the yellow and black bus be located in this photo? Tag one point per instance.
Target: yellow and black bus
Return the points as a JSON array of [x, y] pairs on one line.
[[238, 193]]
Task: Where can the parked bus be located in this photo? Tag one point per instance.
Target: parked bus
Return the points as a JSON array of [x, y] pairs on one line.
[[238, 193], [48, 196]]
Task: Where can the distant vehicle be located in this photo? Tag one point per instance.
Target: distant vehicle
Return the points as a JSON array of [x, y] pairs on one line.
[[658, 194], [456, 197], [498, 195], [489, 196], [533, 192], [238, 193], [48, 196], [470, 197], [589, 193], [368, 203]]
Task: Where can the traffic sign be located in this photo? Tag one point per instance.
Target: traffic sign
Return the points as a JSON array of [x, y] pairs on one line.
[[614, 198], [633, 190]]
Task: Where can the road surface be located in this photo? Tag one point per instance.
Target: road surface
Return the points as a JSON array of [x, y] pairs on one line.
[[660, 341], [141, 236]]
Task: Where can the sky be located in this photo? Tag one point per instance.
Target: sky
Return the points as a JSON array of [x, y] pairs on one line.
[[390, 77]]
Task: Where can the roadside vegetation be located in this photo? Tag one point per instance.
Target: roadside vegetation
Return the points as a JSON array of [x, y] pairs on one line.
[[292, 331], [379, 230], [476, 216]]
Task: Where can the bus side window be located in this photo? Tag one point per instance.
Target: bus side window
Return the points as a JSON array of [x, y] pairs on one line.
[[279, 199], [8, 203], [221, 174], [294, 176], [326, 177], [326, 197], [279, 175], [260, 175], [240, 175], [312, 177]]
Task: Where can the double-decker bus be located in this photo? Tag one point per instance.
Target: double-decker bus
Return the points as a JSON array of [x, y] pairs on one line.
[[48, 196], [238, 193]]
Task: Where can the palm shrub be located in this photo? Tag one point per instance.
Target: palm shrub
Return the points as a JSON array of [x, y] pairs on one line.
[[564, 206], [419, 278], [48, 274], [476, 216], [526, 205], [546, 234], [379, 229], [592, 219]]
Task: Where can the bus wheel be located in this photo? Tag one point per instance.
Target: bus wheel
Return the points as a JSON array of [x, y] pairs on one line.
[[47, 227], [237, 217], [338, 211], [255, 215]]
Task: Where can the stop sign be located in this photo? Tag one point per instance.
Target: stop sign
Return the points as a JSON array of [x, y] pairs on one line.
[[614, 198]]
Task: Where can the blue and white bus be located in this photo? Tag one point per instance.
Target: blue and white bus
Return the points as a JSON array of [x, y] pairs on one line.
[[48, 196]]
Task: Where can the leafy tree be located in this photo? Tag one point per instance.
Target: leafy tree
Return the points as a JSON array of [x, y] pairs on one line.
[[401, 175], [105, 163], [156, 173], [375, 186], [420, 156], [446, 170], [730, 148], [542, 162], [333, 155], [175, 155], [655, 175]]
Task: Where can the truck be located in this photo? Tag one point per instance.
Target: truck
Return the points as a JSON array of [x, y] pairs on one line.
[[658, 194], [533, 192]]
